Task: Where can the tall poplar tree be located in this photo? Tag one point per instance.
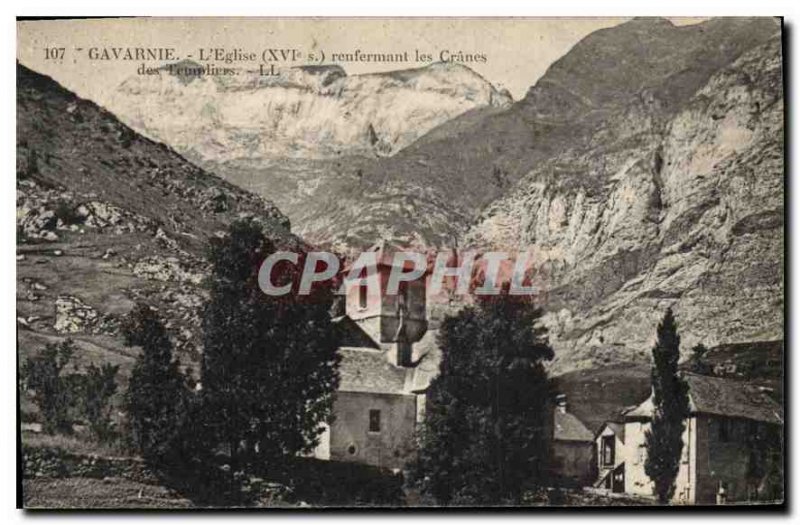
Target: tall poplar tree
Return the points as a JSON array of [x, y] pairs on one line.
[[664, 438]]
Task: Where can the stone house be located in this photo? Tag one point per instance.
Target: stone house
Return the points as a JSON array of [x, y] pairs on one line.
[[572, 448], [732, 430], [610, 448]]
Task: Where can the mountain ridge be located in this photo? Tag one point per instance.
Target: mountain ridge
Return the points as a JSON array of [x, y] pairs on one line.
[[590, 170], [307, 111]]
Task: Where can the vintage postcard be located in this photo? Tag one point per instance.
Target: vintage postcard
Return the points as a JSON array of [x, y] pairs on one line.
[[400, 262]]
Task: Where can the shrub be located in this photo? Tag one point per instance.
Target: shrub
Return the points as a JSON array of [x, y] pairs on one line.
[[98, 386], [52, 393], [66, 213], [156, 400]]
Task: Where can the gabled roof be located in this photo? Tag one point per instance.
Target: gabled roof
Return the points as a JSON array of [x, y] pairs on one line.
[[567, 427], [384, 256], [722, 397], [351, 334], [643, 411], [616, 427], [726, 397], [367, 370]]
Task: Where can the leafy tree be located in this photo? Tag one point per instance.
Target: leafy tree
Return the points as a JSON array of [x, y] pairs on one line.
[[484, 438], [664, 438], [269, 368], [699, 363], [157, 397], [42, 374], [96, 388]]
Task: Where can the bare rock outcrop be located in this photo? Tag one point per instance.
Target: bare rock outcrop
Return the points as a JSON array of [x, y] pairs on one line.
[[685, 211], [305, 112]]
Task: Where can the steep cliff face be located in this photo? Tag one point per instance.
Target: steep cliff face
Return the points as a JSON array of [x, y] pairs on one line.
[[309, 137], [682, 208], [305, 112], [644, 169], [575, 128]]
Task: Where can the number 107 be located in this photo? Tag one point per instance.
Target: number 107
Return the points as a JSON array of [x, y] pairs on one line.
[[54, 53]]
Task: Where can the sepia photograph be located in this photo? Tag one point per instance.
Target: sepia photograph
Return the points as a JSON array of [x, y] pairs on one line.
[[401, 263]]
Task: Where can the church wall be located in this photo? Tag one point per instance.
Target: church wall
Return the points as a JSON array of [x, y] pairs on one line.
[[350, 438]]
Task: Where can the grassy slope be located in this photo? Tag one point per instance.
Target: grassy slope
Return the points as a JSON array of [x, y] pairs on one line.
[[71, 152]]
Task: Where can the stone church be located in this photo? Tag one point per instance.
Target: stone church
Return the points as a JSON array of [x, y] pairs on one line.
[[388, 358]]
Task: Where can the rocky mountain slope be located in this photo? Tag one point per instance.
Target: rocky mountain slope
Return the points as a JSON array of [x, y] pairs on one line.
[[644, 169], [304, 112], [678, 208], [613, 83], [612, 86], [301, 137], [106, 218]]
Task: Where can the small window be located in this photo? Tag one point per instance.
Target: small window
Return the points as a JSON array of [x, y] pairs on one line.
[[374, 420], [639, 457], [362, 296], [608, 450]]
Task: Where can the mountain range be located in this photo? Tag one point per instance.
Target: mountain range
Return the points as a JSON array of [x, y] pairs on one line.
[[644, 170]]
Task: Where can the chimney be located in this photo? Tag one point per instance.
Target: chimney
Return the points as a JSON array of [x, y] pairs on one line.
[[561, 403]]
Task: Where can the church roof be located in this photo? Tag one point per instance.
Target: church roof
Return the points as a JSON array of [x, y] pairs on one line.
[[722, 397], [567, 427], [384, 255], [351, 334], [367, 370]]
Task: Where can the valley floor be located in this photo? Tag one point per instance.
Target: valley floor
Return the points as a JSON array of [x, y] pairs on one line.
[[67, 472]]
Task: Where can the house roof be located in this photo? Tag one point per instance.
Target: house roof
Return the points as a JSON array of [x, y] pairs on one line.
[[367, 370], [567, 427], [725, 397], [644, 410], [722, 397], [616, 427]]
